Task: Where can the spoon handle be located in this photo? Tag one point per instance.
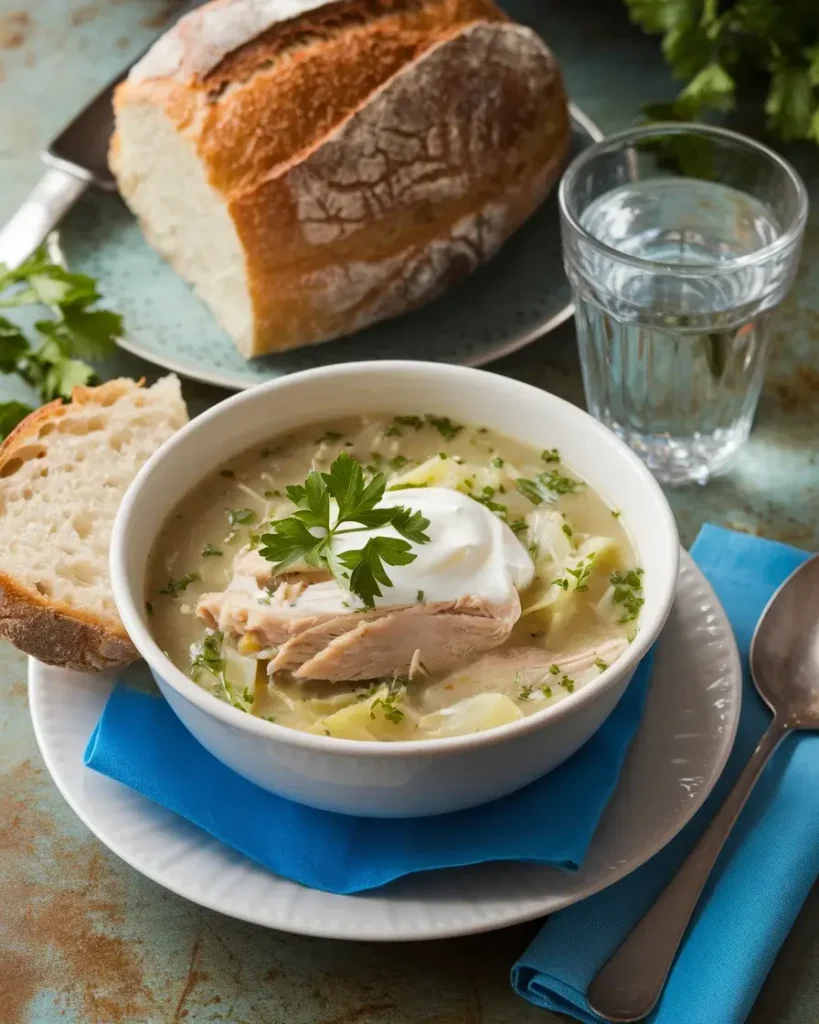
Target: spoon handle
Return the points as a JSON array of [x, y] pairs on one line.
[[628, 986]]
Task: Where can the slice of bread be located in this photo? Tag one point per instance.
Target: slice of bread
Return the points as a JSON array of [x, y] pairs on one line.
[[63, 472]]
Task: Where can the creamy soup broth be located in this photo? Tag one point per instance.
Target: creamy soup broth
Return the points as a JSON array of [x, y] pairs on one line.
[[578, 613]]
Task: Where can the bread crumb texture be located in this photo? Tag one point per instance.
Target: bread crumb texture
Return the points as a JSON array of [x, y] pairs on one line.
[[63, 473]]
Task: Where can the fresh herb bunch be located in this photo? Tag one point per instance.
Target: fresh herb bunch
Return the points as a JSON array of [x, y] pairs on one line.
[[54, 364], [307, 534], [719, 46]]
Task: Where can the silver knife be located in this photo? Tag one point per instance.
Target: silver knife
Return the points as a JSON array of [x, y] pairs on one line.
[[77, 158]]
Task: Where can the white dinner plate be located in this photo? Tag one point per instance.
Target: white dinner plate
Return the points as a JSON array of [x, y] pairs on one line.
[[682, 745]]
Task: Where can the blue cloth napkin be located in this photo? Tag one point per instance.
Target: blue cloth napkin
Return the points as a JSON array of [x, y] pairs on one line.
[[140, 742], [765, 871]]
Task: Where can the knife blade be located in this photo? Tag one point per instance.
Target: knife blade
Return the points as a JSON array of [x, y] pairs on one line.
[[75, 159]]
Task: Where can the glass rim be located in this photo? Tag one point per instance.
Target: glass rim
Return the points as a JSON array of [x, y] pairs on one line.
[[788, 238]]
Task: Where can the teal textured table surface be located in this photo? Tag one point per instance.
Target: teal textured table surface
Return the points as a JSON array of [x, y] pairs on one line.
[[86, 940]]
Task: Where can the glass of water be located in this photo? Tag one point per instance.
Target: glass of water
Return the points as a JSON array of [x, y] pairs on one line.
[[679, 241]]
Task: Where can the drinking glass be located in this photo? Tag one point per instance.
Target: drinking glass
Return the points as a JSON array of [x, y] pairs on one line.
[[679, 241]]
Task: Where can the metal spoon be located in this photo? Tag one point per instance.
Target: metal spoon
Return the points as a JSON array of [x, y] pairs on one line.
[[785, 670]]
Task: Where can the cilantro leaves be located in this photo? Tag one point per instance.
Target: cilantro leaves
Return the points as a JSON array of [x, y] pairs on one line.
[[75, 332], [307, 534]]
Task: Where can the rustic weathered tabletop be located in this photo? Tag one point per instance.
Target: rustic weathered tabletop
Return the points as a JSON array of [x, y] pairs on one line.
[[83, 938]]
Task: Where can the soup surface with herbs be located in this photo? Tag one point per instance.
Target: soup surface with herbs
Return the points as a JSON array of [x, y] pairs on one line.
[[393, 578]]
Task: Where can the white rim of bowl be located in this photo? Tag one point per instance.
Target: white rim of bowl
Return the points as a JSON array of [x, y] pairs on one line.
[[132, 618]]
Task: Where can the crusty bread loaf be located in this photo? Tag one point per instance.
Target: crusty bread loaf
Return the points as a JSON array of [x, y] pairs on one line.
[[312, 166], [63, 472]]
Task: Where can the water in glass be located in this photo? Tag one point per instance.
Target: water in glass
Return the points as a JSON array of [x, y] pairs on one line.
[[674, 362]]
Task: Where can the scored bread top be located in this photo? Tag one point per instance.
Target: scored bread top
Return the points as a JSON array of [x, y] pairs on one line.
[[274, 98], [63, 472]]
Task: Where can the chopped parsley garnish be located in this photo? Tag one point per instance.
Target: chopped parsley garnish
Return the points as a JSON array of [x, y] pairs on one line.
[[631, 636], [207, 654], [546, 486], [567, 684], [485, 498], [329, 436], [406, 487], [580, 574], [419, 596], [518, 526], [409, 421], [497, 462], [403, 421], [209, 551], [546, 690], [602, 665], [550, 455], [525, 692], [555, 670], [388, 706], [240, 516], [442, 455], [534, 551], [247, 696], [616, 513], [444, 425], [628, 591], [175, 587], [398, 462], [568, 530], [291, 539]]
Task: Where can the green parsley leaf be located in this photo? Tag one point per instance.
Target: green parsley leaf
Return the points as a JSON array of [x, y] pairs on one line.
[[11, 413], [367, 564], [388, 706], [240, 516], [173, 588], [410, 524], [209, 551], [290, 541], [602, 665], [497, 462], [444, 425], [555, 670], [409, 421], [550, 455], [329, 436], [207, 655]]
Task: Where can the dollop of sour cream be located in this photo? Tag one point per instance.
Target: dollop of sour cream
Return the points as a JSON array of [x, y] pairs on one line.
[[471, 552]]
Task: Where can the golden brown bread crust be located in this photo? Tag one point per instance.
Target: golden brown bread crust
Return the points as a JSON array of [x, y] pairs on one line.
[[290, 126], [49, 630]]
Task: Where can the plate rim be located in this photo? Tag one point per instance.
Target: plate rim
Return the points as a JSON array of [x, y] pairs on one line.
[[236, 383], [489, 922]]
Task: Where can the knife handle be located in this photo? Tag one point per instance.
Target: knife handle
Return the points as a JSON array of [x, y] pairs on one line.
[[52, 197]]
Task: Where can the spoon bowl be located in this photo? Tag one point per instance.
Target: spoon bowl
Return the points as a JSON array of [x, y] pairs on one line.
[[785, 649]]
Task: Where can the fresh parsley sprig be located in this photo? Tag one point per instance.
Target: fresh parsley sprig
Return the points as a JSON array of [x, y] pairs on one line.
[[54, 364], [308, 533]]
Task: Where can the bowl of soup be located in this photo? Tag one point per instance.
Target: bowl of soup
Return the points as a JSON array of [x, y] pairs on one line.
[[393, 588]]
